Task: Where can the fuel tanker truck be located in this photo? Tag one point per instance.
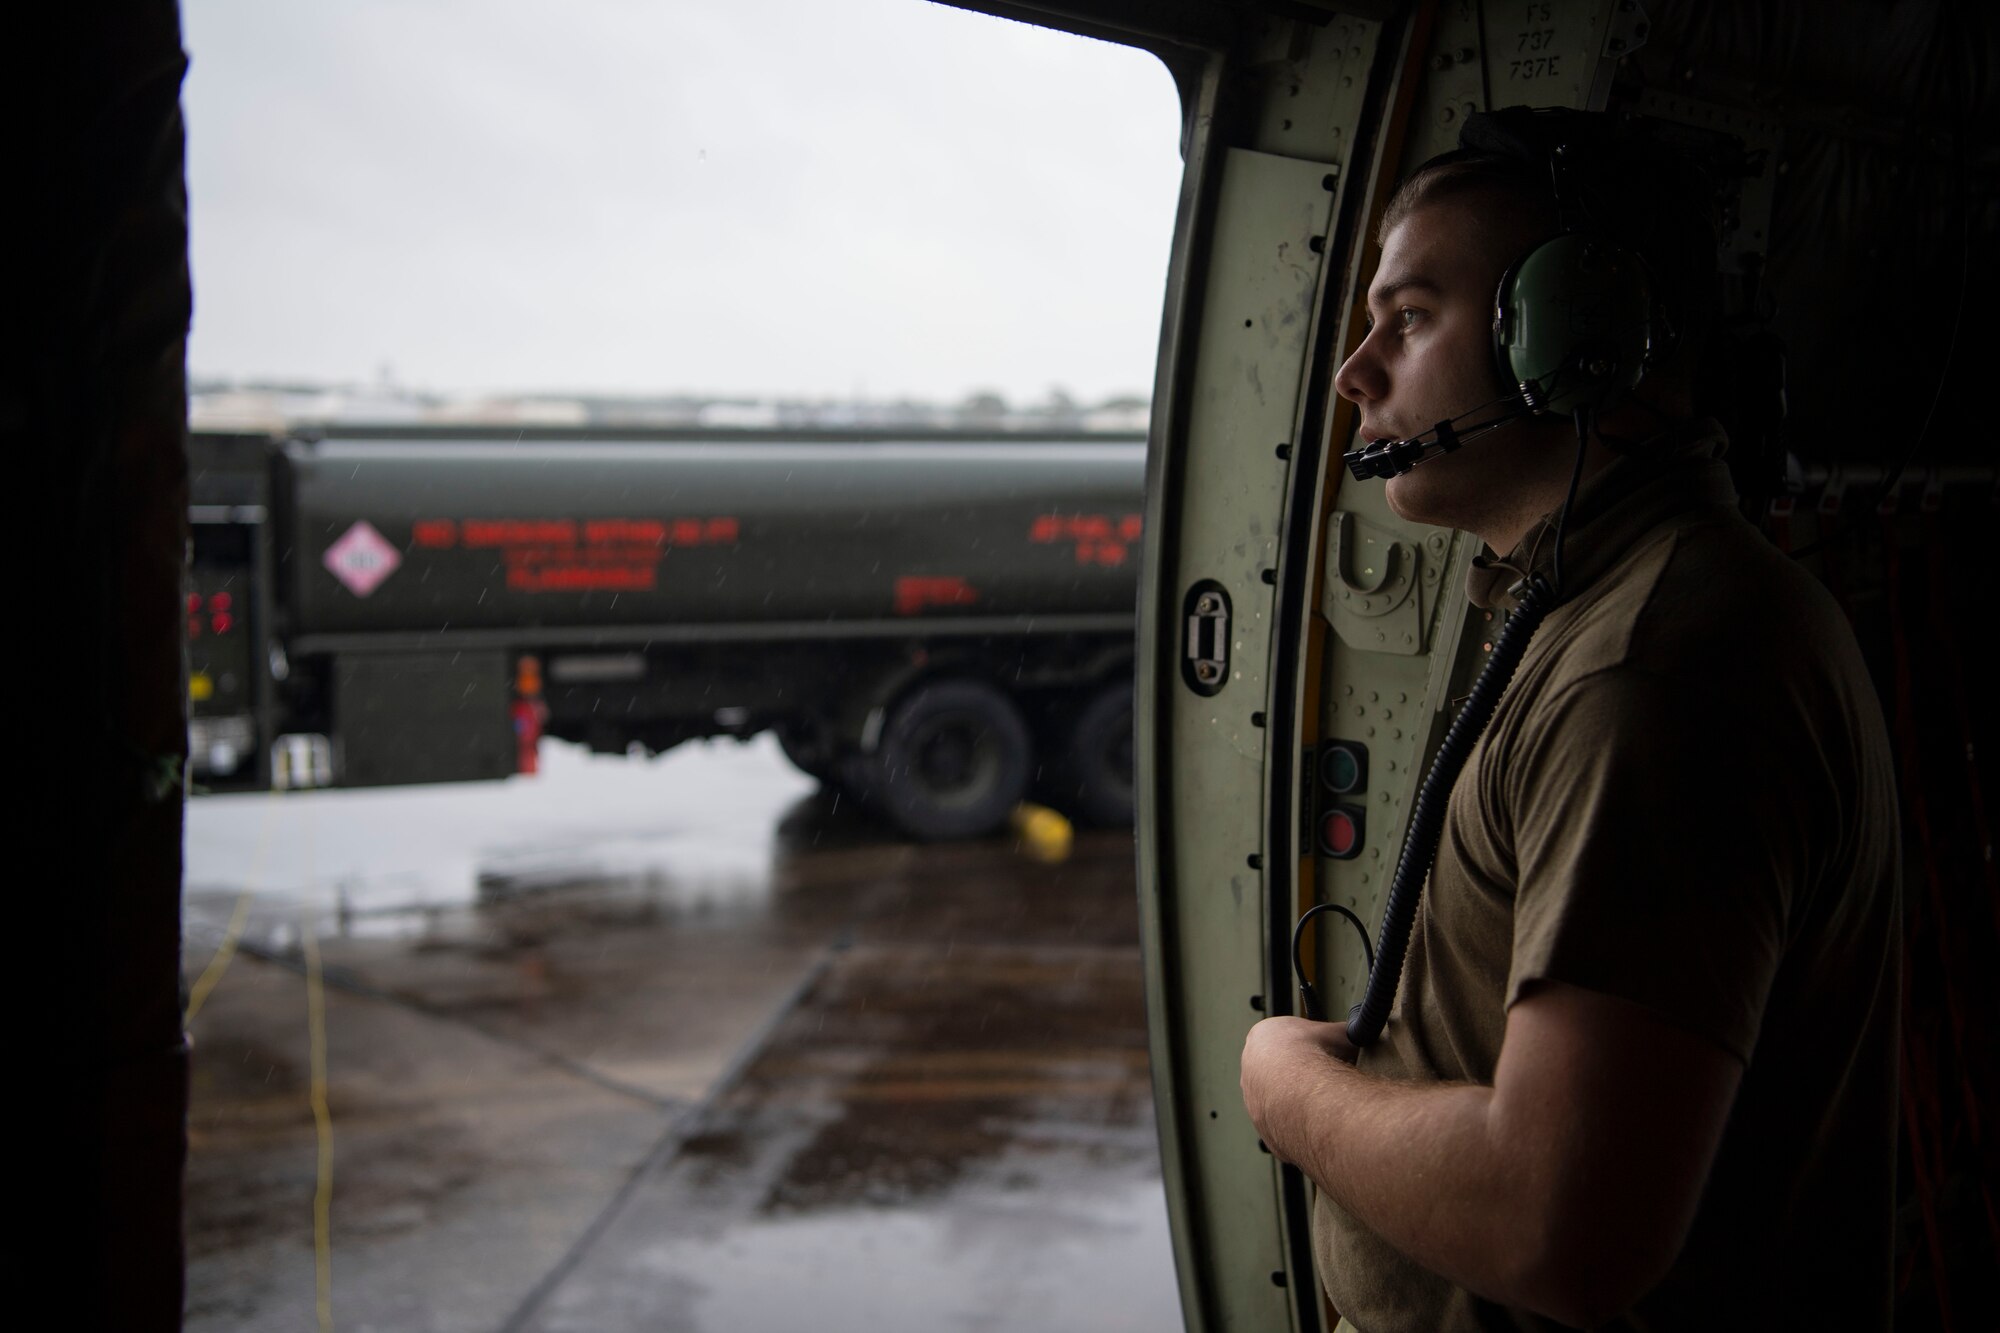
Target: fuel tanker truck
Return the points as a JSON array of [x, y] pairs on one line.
[[939, 626]]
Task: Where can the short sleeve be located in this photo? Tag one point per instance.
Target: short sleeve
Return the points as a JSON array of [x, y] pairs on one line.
[[1656, 838]]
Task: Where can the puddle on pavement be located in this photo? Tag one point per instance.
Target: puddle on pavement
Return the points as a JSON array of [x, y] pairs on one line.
[[702, 830], [951, 1129], [992, 1260], [928, 1140]]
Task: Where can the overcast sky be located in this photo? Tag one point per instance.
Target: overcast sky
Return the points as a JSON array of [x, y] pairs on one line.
[[810, 197]]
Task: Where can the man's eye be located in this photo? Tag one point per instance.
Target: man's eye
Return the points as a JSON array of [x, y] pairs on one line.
[[1406, 318]]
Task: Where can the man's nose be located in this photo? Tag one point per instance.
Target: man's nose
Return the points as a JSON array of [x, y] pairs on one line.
[[1360, 378]]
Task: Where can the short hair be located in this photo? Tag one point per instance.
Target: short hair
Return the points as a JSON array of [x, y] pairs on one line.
[[1463, 172], [1621, 181]]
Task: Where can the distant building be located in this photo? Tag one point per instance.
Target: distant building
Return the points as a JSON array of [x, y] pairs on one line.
[[739, 414], [268, 406], [511, 412]]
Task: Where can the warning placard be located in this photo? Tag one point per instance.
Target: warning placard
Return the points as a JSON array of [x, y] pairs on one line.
[[361, 558]]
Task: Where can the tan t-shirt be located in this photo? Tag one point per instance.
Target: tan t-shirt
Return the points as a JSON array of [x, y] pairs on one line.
[[1684, 799]]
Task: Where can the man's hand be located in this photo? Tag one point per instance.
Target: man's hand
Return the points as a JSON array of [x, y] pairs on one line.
[[1284, 1061], [1567, 1187]]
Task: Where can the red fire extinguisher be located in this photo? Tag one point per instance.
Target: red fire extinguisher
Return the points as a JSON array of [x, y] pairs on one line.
[[531, 712]]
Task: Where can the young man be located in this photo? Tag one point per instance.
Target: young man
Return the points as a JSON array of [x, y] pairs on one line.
[[1641, 1069]]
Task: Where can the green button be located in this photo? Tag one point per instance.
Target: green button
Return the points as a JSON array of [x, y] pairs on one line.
[[1341, 768]]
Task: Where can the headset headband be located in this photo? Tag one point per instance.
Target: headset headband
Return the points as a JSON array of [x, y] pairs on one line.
[[1575, 322]]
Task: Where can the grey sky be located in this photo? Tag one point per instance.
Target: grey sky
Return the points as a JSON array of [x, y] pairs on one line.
[[779, 196]]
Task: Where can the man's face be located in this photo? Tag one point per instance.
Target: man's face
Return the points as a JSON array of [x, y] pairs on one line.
[[1428, 356]]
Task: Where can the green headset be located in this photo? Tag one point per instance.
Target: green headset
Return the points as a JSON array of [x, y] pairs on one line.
[[1576, 320], [1574, 323]]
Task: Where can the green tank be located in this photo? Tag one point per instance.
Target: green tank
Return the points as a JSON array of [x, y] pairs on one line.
[[940, 625], [431, 536]]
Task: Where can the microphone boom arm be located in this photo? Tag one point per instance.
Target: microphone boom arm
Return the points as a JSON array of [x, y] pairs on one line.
[[1392, 458]]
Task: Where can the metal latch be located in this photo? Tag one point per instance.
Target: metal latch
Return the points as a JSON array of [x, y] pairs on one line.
[[1205, 652]]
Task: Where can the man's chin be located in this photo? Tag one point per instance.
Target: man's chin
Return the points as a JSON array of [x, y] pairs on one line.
[[1443, 492], [1413, 499]]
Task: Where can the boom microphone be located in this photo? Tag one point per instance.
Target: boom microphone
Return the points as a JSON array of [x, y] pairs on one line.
[[1392, 458]]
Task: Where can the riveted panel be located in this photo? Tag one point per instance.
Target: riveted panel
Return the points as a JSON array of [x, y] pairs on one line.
[[1257, 316], [1398, 656], [1224, 439]]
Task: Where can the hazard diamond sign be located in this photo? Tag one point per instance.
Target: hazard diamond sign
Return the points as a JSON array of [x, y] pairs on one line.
[[361, 558]]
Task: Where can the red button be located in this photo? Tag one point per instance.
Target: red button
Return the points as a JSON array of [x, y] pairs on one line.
[[1336, 833]]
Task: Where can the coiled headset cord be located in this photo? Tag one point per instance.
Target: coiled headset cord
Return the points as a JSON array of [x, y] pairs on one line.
[[1366, 1020]]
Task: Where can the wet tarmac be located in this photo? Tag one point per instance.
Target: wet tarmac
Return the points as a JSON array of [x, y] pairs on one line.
[[671, 1046]]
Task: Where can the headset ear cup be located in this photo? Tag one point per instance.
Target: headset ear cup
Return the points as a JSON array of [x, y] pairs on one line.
[[1508, 322], [1573, 323]]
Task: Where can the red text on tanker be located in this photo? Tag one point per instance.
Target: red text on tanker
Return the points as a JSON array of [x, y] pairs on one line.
[[1100, 539], [576, 555]]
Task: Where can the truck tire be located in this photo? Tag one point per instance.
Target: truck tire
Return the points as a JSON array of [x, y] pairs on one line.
[[954, 760], [1093, 768]]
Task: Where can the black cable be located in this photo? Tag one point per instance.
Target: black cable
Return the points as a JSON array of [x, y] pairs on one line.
[[1537, 598], [1365, 1020], [1308, 997]]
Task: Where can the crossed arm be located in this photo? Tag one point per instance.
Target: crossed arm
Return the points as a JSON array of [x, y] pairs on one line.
[[1566, 1188]]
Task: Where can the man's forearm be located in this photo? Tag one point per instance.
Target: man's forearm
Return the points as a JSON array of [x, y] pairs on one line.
[[1422, 1164]]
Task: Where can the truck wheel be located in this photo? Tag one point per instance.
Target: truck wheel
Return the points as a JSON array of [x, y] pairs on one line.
[[954, 760], [1093, 778]]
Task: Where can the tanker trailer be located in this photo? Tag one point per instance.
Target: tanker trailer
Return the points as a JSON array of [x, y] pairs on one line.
[[938, 625]]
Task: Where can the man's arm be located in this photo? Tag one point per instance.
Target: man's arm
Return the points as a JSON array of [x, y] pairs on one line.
[[1567, 1188]]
